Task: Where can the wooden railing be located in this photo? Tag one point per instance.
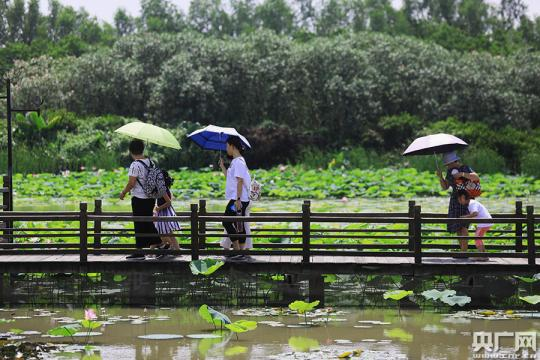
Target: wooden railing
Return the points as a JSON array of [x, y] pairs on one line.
[[408, 234]]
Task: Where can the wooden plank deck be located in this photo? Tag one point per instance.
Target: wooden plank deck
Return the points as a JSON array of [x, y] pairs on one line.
[[271, 264]]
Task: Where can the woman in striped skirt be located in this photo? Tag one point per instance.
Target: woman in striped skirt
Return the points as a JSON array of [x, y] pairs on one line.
[[166, 228]]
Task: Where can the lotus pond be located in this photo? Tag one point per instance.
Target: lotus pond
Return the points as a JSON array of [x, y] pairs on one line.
[[168, 333]]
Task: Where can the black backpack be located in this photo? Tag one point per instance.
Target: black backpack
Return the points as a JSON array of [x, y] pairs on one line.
[[154, 186]]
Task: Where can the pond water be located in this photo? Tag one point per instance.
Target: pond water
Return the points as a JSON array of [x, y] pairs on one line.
[[375, 334]]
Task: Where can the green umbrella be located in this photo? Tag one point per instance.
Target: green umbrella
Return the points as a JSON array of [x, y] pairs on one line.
[[151, 133]]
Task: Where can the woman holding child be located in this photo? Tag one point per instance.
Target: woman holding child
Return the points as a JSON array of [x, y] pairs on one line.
[[455, 171]]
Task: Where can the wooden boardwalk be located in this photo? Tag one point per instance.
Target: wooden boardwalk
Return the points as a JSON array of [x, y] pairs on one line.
[[282, 264], [307, 243]]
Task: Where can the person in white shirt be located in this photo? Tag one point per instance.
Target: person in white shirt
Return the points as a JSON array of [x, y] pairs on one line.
[[476, 211], [238, 183], [140, 203]]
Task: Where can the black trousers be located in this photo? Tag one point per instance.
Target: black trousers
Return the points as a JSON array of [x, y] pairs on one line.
[[235, 228], [144, 207]]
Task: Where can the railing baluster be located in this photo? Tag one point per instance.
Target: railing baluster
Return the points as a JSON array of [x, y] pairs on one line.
[[202, 224], [417, 221], [83, 232], [194, 232], [531, 245], [306, 227], [412, 204], [97, 224], [519, 227]]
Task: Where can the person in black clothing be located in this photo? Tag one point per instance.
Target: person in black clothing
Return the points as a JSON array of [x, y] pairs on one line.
[[141, 205]]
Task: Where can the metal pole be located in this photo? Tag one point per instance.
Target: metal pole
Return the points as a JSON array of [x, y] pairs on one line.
[[10, 146]]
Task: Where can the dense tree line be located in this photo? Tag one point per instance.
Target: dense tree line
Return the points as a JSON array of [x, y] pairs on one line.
[[366, 89], [464, 25]]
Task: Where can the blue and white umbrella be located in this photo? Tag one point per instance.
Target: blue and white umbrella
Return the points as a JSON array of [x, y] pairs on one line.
[[215, 137]]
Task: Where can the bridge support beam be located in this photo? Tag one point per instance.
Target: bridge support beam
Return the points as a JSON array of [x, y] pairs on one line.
[[316, 289]]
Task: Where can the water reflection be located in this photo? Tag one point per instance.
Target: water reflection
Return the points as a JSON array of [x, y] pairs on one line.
[[379, 334]]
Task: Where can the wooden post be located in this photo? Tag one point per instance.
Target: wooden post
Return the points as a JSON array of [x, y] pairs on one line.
[[531, 246], [412, 204], [306, 212], [202, 224], [194, 232], [83, 229], [519, 227], [417, 235], [97, 224], [6, 206]]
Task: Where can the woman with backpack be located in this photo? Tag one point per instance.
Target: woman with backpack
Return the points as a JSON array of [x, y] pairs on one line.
[[166, 229], [141, 203], [457, 172], [237, 191]]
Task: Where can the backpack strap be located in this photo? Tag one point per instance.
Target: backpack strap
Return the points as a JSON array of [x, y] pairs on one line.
[[146, 167]]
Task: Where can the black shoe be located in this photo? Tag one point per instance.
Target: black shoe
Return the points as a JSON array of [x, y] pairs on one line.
[[135, 257]]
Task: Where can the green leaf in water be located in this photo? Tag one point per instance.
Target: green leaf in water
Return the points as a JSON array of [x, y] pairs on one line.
[[529, 280], [236, 350], [397, 294], [533, 299], [68, 330], [302, 307], [241, 326], [205, 266], [89, 324], [16, 331], [213, 316], [303, 344], [399, 334]]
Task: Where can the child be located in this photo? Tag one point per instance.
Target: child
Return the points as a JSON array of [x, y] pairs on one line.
[[166, 228], [476, 211]]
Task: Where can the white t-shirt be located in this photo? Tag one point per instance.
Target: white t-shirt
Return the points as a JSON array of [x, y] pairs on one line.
[[139, 171], [238, 169], [483, 213]]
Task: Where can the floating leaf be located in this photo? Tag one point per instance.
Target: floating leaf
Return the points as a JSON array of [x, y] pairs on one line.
[[16, 331], [68, 330], [205, 266], [397, 294], [302, 307], [533, 299]]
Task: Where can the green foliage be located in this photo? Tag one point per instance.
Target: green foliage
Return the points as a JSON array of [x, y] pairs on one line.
[[291, 183], [241, 326], [205, 266], [533, 299], [212, 316], [397, 294], [303, 307], [90, 324], [68, 330]]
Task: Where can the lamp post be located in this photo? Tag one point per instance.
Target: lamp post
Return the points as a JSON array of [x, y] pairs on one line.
[[10, 110]]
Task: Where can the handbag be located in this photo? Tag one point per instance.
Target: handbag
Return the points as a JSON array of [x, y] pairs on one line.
[[473, 188]]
